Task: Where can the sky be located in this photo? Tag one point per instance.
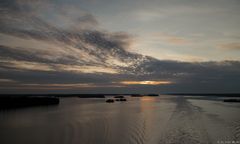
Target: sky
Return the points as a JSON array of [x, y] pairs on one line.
[[112, 46]]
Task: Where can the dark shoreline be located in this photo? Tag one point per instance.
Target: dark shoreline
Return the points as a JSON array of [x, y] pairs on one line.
[[9, 101], [27, 101], [206, 94], [102, 95]]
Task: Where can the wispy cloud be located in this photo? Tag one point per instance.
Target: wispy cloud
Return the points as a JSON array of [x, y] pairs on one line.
[[230, 46], [7, 81], [41, 44], [70, 85], [67, 49], [171, 39], [146, 82], [25, 65]]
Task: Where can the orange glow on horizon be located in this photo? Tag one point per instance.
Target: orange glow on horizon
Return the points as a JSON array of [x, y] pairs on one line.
[[146, 82]]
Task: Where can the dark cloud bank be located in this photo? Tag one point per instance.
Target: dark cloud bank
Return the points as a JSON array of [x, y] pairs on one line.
[[54, 69]]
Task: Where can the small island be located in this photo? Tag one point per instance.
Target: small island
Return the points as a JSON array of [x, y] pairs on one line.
[[110, 101]]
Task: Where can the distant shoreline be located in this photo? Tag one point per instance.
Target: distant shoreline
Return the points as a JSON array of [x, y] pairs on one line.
[[100, 95], [206, 94], [20, 102]]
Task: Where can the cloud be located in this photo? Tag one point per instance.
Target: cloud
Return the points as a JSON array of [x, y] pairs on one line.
[[86, 69], [45, 43], [57, 51], [70, 85], [25, 65], [171, 39], [145, 82], [230, 46], [7, 81], [146, 16]]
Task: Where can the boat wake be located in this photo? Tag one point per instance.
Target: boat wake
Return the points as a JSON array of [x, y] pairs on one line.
[[185, 126]]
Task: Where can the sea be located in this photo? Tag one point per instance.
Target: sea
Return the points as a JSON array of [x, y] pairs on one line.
[[164, 119]]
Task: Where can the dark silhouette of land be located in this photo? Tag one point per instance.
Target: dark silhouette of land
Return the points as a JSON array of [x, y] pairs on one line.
[[120, 96], [110, 100], [26, 101], [136, 95], [152, 94], [102, 95], [206, 94], [91, 96], [55, 95], [232, 100], [76, 95]]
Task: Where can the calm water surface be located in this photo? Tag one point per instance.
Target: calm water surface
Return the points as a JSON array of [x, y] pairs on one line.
[[146, 120]]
